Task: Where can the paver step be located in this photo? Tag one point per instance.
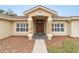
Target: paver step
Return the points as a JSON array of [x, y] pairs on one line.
[[40, 36]]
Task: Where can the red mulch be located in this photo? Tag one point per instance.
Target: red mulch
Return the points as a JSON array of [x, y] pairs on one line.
[[16, 44]]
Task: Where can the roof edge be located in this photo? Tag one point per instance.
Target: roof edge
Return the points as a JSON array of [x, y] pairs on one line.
[[39, 6]]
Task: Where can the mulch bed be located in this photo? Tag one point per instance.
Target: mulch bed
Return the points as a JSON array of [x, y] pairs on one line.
[[16, 44]]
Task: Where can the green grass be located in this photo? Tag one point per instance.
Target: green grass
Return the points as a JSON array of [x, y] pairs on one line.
[[67, 47]]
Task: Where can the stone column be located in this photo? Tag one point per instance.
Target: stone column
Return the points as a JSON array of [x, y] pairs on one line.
[[49, 28], [30, 27]]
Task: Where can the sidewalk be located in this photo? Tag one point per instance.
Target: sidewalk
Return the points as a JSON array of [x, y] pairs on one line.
[[39, 47]]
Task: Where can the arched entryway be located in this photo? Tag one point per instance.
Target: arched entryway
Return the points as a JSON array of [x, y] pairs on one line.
[[39, 23], [39, 27]]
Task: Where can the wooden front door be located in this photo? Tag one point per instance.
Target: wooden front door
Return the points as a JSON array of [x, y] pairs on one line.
[[40, 27]]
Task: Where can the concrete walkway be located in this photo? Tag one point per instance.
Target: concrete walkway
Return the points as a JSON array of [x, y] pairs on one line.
[[39, 47]]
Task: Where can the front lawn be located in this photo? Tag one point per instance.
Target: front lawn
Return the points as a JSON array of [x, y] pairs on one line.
[[66, 46]]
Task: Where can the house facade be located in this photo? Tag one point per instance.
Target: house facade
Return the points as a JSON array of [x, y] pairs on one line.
[[39, 20]]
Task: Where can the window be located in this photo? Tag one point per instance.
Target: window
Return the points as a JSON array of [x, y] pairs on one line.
[[21, 27], [58, 27]]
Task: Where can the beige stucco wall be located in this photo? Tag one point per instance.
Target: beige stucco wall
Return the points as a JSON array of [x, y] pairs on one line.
[[8, 28], [5, 28], [14, 28], [66, 28], [75, 28]]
